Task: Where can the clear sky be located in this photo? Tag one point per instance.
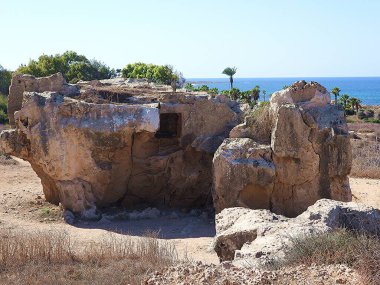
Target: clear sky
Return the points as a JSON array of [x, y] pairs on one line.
[[262, 38]]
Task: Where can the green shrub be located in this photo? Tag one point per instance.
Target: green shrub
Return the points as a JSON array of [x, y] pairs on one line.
[[161, 74], [3, 109], [234, 93], [213, 91], [73, 66], [5, 80], [189, 87]]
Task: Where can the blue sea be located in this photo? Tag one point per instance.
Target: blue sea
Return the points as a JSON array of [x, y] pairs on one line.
[[366, 89]]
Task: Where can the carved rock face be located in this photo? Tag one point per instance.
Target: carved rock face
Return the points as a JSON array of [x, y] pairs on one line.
[[92, 155], [309, 157]]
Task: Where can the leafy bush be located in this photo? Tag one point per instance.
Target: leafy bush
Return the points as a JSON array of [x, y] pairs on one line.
[[189, 87], [161, 74], [73, 66], [213, 91], [234, 93], [5, 80], [3, 109]]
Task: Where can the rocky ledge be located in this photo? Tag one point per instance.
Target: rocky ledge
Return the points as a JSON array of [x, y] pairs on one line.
[[258, 237]]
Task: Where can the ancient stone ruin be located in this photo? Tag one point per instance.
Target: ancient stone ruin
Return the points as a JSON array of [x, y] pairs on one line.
[[304, 155], [155, 148], [100, 143]]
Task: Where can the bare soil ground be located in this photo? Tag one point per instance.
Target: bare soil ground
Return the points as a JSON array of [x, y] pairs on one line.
[[22, 206]]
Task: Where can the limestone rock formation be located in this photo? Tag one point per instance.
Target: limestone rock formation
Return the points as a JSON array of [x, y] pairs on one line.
[[26, 83], [150, 147], [256, 237], [304, 156]]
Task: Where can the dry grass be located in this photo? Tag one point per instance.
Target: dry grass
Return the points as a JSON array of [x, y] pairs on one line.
[[356, 250], [50, 258], [366, 159], [365, 128]]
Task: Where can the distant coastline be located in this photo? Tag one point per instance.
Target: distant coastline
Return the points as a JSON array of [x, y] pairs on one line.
[[366, 89]]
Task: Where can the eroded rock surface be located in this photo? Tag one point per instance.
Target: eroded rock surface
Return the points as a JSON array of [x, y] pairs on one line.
[[307, 158], [142, 147], [256, 237], [26, 83]]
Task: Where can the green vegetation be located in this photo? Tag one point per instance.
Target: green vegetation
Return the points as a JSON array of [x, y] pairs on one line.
[[5, 80], [213, 91], [344, 100], [73, 66], [3, 109], [355, 103], [161, 74], [255, 94], [189, 87], [358, 251], [336, 92], [264, 93], [230, 71]]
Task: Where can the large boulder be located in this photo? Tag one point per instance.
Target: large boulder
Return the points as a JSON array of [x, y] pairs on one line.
[[80, 151], [257, 237], [307, 157], [154, 149]]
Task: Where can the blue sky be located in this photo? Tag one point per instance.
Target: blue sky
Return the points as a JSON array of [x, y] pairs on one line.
[[262, 38]]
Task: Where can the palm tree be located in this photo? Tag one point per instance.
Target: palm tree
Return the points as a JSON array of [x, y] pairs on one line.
[[344, 99], [255, 93], [336, 92], [355, 103], [264, 93], [230, 71]]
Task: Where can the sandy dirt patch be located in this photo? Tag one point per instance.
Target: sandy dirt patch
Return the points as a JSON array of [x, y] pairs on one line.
[[22, 205]]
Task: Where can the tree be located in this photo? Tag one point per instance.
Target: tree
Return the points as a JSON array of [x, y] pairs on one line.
[[213, 91], [245, 97], [344, 100], [264, 93], [255, 93], [355, 104], [234, 93], [189, 87], [203, 88], [161, 74], [3, 109], [73, 66], [5, 80], [230, 71], [336, 92]]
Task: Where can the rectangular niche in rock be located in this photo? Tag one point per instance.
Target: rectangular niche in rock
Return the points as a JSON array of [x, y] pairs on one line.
[[170, 125]]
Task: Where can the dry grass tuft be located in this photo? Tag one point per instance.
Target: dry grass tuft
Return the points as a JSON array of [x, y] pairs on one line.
[[365, 128], [356, 250], [50, 258], [365, 159]]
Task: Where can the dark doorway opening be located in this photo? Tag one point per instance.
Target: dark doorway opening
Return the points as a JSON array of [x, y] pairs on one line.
[[170, 125]]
